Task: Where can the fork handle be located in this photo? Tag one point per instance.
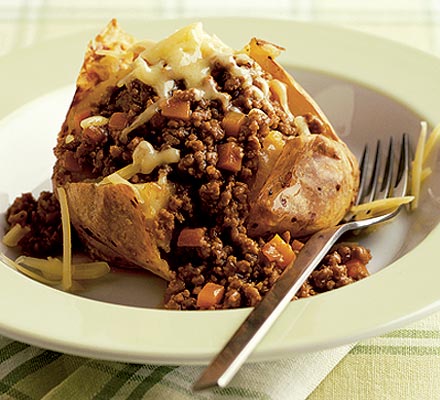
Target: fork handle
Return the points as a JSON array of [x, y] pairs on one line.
[[226, 364]]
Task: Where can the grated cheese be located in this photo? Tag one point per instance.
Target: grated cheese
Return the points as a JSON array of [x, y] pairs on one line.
[[15, 234], [426, 171], [66, 280], [69, 138], [419, 173], [431, 143], [417, 165], [53, 268], [377, 207], [141, 119], [27, 272]]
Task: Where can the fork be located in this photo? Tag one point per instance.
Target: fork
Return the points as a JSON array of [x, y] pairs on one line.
[[372, 186]]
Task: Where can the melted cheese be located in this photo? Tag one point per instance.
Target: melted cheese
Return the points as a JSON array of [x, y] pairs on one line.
[[141, 119], [153, 196], [96, 120], [145, 160], [281, 92], [302, 125], [189, 55], [186, 55]]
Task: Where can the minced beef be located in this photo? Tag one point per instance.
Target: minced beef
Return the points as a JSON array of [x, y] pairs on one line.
[[209, 197], [43, 217], [344, 264]]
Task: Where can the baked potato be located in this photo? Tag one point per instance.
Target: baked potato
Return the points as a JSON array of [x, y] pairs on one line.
[[308, 189], [243, 151], [306, 183]]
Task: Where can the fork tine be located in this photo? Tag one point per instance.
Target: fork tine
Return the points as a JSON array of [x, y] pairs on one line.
[[363, 166], [385, 185], [401, 185], [373, 186]]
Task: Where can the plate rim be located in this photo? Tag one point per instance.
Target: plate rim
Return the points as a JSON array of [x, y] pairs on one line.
[[304, 326]]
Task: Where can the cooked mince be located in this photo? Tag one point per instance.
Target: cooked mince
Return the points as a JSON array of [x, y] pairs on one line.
[[208, 211], [43, 217]]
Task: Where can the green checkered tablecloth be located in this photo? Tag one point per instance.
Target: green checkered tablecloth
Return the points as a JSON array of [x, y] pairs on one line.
[[404, 364]]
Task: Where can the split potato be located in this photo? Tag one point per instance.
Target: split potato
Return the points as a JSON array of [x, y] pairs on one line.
[[309, 188], [306, 183]]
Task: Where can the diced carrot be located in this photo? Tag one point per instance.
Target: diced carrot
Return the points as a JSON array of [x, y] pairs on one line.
[[118, 121], [297, 245], [210, 295], [191, 237], [356, 269], [230, 155], [279, 251], [176, 109], [232, 122]]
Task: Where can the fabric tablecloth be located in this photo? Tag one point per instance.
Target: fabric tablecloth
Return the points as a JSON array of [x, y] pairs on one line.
[[404, 364]]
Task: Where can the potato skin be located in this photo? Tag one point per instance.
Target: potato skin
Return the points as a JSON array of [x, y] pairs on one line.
[[111, 223], [312, 186]]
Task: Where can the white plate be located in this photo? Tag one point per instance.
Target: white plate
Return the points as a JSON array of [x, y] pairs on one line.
[[369, 88]]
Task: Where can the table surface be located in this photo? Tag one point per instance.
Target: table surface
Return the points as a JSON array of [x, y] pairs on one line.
[[403, 364]]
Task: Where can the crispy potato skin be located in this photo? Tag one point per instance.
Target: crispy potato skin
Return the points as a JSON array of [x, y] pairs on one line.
[[110, 221], [312, 186], [300, 102]]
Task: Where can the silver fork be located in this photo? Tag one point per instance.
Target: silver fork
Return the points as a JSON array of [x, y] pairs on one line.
[[393, 183]]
